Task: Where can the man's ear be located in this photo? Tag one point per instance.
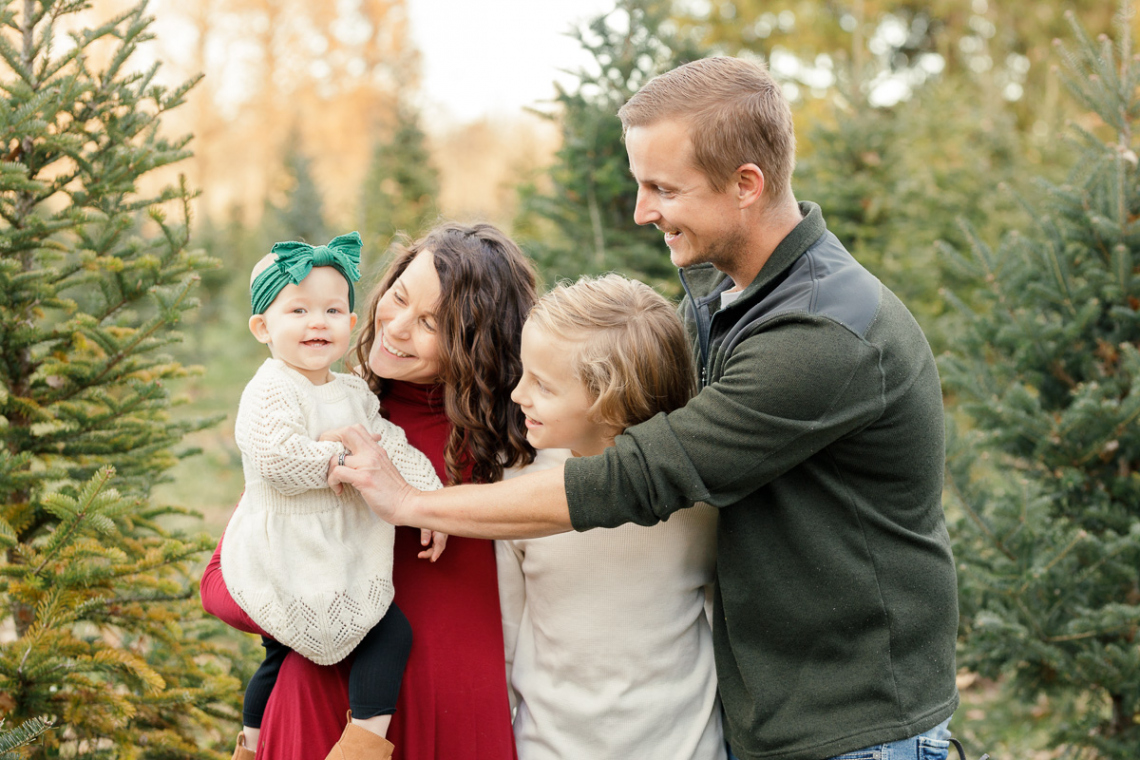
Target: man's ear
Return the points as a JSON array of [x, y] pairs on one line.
[[259, 329], [749, 185]]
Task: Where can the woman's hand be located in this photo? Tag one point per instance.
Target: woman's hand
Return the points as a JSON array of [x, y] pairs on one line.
[[369, 471], [435, 541]]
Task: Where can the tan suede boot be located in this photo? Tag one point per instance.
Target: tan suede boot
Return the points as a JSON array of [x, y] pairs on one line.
[[242, 752], [358, 743]]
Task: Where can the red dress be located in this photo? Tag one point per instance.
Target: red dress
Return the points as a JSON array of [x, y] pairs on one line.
[[453, 701]]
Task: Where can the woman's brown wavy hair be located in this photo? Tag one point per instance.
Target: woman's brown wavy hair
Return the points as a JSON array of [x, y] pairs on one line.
[[487, 286]]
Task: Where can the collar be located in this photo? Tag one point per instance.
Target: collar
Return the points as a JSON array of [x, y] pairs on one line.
[[705, 282]]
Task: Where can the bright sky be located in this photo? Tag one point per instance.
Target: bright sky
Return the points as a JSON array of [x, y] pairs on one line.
[[496, 57]]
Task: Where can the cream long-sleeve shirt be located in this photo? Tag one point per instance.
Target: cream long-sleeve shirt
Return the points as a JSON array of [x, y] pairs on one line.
[[313, 569], [608, 645]]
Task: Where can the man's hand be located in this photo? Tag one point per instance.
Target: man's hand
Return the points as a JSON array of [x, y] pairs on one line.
[[528, 506], [369, 471]]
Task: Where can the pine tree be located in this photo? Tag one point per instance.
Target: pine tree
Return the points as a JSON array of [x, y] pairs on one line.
[[95, 271], [300, 215], [229, 240], [398, 194], [584, 222], [892, 181], [1044, 458]]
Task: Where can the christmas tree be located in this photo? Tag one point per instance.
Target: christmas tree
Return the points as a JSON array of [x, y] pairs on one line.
[[399, 191], [300, 214], [894, 180], [95, 271], [584, 223], [1044, 459]]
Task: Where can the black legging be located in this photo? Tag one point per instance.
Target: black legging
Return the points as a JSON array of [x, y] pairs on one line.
[[373, 680]]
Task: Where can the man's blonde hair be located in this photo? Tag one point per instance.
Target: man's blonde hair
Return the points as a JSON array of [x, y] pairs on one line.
[[735, 112], [632, 353]]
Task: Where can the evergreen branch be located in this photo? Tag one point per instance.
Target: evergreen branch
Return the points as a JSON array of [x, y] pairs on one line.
[[1122, 266], [128, 42], [52, 66], [88, 498], [1027, 615], [132, 664], [1053, 259], [123, 351], [50, 613], [1095, 450], [8, 537], [14, 59], [979, 521], [1087, 573], [177, 96], [106, 601], [1081, 536], [1087, 634], [21, 736], [46, 39]]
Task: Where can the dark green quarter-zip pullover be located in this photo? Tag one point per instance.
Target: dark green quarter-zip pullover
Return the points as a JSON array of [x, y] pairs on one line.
[[818, 433]]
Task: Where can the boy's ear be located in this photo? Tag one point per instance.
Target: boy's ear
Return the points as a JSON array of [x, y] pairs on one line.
[[259, 329]]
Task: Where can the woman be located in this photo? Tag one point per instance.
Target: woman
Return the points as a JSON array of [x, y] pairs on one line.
[[441, 350]]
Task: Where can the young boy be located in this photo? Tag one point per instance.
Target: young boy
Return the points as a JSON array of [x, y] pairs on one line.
[[311, 568], [607, 640]]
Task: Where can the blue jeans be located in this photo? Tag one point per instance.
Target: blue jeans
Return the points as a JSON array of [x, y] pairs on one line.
[[930, 745]]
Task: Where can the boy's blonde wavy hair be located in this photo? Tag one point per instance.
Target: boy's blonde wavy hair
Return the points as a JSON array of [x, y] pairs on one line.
[[631, 352]]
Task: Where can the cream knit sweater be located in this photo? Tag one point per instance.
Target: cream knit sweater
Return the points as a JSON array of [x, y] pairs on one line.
[[313, 569], [608, 645]]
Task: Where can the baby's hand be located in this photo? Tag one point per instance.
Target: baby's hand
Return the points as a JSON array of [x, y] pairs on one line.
[[337, 434], [336, 486], [435, 541]]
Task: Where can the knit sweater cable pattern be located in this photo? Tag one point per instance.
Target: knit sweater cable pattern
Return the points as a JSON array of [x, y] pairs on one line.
[[311, 568]]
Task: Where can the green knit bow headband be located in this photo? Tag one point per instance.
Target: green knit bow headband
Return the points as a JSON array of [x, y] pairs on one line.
[[295, 261]]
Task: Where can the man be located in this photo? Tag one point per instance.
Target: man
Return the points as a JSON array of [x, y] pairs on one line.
[[818, 433]]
